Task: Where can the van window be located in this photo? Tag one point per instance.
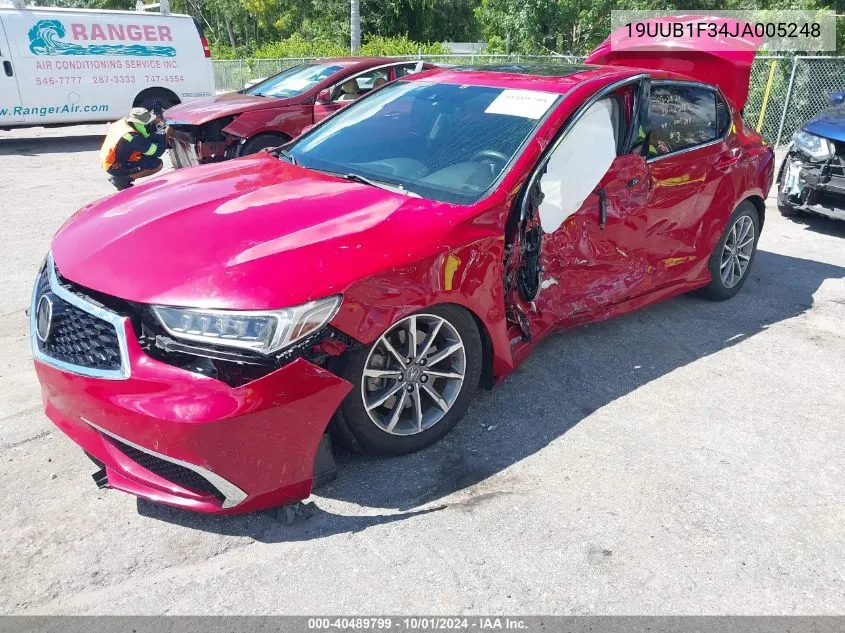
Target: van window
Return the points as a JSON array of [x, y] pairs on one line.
[[681, 117]]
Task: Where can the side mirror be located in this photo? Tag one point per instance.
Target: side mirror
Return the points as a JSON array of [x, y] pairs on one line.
[[325, 96], [836, 98]]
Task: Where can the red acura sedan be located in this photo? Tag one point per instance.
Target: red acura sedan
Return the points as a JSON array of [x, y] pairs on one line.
[[198, 334], [277, 109]]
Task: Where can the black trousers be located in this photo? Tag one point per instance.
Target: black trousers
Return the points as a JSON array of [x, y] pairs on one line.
[[146, 162]]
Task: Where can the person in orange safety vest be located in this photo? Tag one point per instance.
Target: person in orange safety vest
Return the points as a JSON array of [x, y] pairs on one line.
[[133, 148]]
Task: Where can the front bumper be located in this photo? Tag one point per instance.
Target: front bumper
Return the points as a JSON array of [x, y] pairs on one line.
[[187, 440], [813, 187], [256, 444]]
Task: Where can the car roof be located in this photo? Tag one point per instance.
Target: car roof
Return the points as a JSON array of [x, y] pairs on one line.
[[357, 61], [556, 78]]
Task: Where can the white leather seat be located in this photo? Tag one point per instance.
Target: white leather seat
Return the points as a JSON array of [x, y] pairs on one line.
[[348, 91]]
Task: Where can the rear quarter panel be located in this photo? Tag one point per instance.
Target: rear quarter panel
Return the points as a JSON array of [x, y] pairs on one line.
[[750, 177]]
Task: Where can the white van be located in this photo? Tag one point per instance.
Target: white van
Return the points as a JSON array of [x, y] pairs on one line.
[[69, 66]]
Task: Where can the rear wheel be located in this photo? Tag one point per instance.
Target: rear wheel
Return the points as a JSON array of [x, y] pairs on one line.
[[731, 260], [413, 384], [262, 142]]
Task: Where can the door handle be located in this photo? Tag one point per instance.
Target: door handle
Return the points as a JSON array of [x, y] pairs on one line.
[[7, 66], [729, 160]]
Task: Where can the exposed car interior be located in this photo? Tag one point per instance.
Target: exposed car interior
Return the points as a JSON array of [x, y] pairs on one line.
[[437, 140], [349, 90], [356, 87]]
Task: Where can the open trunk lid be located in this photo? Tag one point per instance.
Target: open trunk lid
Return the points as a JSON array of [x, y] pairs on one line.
[[721, 61]]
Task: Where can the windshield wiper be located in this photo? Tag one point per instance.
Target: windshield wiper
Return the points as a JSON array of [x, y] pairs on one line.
[[287, 155], [377, 183], [365, 180]]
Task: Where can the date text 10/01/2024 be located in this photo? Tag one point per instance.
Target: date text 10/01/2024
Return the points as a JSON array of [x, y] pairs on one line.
[[417, 623]]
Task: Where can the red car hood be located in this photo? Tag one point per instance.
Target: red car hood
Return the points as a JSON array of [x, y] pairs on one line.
[[699, 57], [254, 233], [204, 110]]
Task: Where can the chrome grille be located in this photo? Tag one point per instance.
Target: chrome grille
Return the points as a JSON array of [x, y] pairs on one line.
[[83, 337]]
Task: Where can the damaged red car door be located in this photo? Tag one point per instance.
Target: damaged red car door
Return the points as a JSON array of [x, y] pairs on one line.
[[598, 256], [690, 152], [698, 154]]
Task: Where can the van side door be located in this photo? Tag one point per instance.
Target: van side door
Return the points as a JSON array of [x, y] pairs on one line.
[[10, 95]]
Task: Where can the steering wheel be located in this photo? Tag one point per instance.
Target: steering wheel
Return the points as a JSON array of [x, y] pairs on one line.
[[496, 161]]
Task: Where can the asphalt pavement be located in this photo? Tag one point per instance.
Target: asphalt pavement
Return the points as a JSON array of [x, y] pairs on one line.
[[684, 459]]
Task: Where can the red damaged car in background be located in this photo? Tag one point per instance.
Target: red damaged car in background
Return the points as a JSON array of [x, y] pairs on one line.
[[277, 109], [199, 334]]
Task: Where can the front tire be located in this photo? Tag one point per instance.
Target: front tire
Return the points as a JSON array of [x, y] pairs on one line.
[[413, 384], [787, 209], [731, 260]]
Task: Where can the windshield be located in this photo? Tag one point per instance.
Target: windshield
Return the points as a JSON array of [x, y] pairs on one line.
[[445, 142], [293, 81]]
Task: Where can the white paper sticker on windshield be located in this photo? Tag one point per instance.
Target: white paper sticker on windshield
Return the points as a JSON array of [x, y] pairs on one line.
[[530, 104], [297, 83]]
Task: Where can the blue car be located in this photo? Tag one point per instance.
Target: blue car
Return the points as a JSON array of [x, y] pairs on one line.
[[812, 176]]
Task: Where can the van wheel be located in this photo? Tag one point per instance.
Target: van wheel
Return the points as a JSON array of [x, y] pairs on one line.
[[413, 384], [262, 142], [148, 98], [730, 263]]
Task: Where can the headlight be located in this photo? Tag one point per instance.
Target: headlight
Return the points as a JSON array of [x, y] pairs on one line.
[[815, 147], [262, 331]]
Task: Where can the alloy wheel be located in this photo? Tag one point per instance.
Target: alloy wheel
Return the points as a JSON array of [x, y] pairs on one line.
[[737, 252], [413, 374]]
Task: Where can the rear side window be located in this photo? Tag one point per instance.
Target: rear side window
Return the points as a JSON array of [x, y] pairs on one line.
[[407, 69], [682, 117], [723, 117]]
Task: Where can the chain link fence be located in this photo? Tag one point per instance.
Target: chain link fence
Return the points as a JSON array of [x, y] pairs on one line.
[[784, 92]]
